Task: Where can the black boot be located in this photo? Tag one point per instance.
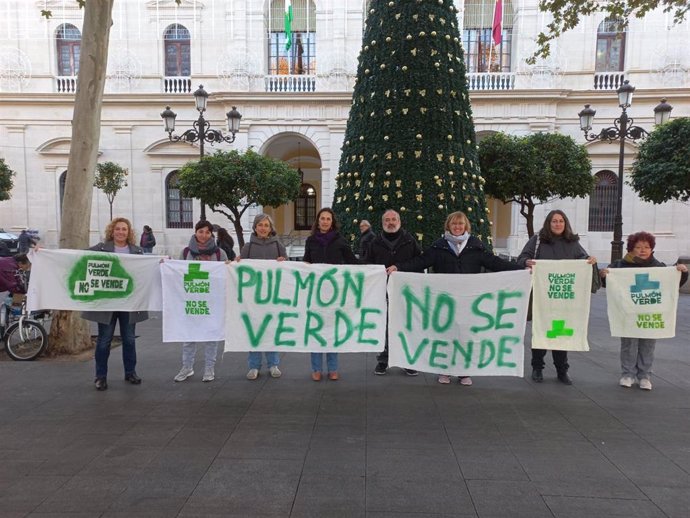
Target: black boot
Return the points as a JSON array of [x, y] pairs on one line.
[[537, 375], [564, 378]]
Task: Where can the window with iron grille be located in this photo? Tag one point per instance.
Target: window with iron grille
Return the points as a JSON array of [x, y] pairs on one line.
[[179, 212], [178, 60], [305, 207], [300, 58], [602, 202], [610, 46], [68, 40], [481, 54]]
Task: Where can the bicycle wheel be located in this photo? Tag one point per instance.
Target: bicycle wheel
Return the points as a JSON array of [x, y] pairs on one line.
[[25, 343]]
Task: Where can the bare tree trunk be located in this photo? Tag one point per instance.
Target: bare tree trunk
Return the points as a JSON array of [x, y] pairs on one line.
[[237, 223], [69, 333]]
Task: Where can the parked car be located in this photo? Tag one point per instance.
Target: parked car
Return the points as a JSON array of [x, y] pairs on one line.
[[9, 243]]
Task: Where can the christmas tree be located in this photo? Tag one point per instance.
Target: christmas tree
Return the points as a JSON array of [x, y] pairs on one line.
[[410, 143]]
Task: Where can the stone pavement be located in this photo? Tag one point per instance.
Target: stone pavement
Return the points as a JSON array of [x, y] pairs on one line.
[[364, 446]]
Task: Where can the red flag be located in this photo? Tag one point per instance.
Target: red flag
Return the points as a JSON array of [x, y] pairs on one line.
[[497, 30]]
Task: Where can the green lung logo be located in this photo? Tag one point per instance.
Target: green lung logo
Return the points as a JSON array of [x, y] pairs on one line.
[[99, 277]]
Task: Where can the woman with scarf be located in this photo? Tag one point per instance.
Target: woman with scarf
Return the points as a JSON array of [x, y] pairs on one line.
[[637, 354], [326, 245], [202, 247], [556, 241], [263, 244], [456, 252]]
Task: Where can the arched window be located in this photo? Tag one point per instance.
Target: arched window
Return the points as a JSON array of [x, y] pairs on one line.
[[300, 56], [305, 207], [61, 183], [481, 53], [179, 213], [68, 40], [602, 202], [610, 46], [178, 59]]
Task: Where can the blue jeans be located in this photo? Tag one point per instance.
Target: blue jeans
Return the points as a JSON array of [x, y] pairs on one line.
[[105, 337], [272, 359], [317, 362]]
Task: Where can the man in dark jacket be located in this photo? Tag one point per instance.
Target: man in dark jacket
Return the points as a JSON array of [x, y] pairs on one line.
[[392, 245], [365, 239]]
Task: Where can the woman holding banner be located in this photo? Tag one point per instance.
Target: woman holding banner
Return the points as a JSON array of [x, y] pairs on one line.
[[555, 240], [326, 245], [456, 252], [202, 247], [119, 239], [263, 244], [637, 354]]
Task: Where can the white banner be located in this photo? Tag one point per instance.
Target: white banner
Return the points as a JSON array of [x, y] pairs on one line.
[[193, 300], [642, 302], [85, 280], [299, 307], [464, 325], [561, 295]]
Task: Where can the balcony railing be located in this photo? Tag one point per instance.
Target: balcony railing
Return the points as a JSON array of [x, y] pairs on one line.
[[608, 80], [66, 84], [491, 81], [291, 84], [177, 85]]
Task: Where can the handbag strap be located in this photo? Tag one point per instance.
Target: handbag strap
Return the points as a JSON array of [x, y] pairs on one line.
[[536, 248]]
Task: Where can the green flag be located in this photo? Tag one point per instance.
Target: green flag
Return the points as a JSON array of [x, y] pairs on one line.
[[288, 24]]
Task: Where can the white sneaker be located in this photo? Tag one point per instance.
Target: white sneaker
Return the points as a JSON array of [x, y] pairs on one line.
[[627, 381], [443, 379], [275, 372], [185, 372], [645, 384], [209, 374], [253, 374]]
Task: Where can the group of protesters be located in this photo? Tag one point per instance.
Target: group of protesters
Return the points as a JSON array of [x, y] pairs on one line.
[[457, 251]]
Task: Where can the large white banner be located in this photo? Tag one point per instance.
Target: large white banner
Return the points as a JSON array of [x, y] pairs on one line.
[[465, 325], [194, 295], [299, 307], [561, 295], [84, 280], [642, 302]]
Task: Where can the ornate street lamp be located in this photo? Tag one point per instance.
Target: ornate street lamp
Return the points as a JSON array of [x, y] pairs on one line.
[[623, 128], [201, 129]]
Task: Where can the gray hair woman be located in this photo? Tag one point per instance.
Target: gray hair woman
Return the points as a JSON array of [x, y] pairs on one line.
[[263, 244]]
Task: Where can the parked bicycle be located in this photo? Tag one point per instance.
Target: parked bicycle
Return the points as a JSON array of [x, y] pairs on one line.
[[23, 334]]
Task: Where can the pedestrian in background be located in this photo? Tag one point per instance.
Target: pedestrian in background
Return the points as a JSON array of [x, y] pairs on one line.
[[365, 239], [225, 241], [263, 244], [148, 240], [25, 242]]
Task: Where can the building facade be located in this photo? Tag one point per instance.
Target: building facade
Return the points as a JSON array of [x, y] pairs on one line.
[[295, 104]]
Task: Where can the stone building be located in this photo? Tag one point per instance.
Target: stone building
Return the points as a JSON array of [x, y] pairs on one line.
[[295, 103]]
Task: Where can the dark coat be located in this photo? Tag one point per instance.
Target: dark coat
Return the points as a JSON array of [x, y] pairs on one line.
[[364, 243], [338, 251], [381, 252], [472, 259], [558, 248], [104, 317], [652, 262]]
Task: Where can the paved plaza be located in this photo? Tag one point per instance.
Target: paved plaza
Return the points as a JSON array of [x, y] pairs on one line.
[[364, 446]]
